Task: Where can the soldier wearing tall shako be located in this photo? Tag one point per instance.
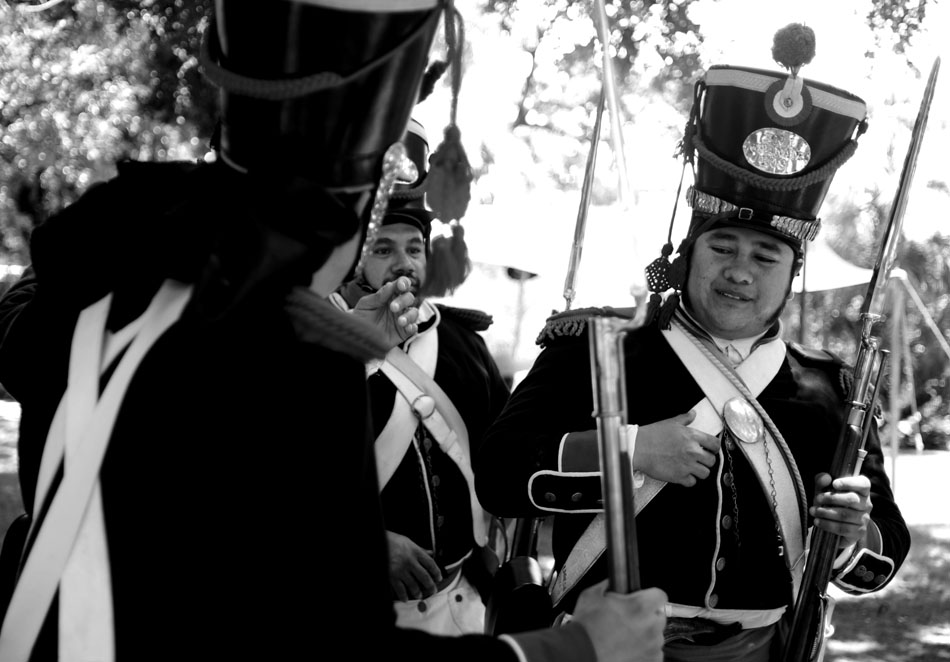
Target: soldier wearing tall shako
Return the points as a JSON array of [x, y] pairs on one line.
[[734, 428], [432, 397], [195, 454]]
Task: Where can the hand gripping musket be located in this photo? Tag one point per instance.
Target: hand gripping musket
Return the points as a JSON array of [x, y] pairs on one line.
[[608, 381], [807, 635]]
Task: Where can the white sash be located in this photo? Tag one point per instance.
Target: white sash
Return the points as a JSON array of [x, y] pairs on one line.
[[756, 372], [69, 550], [396, 436], [421, 399]]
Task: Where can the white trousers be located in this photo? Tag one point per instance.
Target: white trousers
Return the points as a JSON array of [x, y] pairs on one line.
[[456, 609]]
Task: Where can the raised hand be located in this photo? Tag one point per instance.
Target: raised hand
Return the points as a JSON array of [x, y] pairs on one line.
[[392, 310]]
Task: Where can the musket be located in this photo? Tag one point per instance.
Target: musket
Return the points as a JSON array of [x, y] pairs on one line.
[[609, 386], [580, 226], [521, 572], [807, 635]]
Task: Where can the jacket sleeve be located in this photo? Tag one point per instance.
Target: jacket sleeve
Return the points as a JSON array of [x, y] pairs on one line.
[[16, 337], [519, 470]]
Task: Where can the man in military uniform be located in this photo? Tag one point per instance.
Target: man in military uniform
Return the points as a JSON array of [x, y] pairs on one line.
[[437, 532], [194, 447], [732, 429]]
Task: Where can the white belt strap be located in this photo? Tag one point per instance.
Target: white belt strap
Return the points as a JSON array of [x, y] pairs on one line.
[[443, 421], [69, 542], [396, 436]]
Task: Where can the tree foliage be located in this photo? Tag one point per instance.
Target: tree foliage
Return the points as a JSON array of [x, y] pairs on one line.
[[85, 83]]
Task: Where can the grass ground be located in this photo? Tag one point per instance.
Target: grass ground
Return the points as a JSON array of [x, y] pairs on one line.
[[909, 621]]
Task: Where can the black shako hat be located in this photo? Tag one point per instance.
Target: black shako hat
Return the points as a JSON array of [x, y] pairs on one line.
[[766, 154], [317, 88], [764, 147]]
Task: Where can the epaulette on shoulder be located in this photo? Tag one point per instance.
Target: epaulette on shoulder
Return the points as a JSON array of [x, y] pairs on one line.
[[476, 320], [813, 354], [573, 323]]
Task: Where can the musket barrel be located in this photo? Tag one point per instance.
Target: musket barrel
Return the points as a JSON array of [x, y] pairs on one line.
[[805, 639], [580, 226], [616, 458], [874, 302]]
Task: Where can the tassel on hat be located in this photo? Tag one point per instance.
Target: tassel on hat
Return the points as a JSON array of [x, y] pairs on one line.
[[450, 174], [665, 276], [449, 182], [450, 177], [448, 264]]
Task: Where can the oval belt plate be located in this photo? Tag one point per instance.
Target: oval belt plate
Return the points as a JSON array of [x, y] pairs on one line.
[[776, 151], [743, 421]]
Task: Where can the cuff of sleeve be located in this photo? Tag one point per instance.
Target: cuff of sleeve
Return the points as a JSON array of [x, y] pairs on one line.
[[867, 571], [579, 452], [567, 643], [844, 556]]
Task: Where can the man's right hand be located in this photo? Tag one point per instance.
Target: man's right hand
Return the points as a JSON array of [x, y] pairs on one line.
[[391, 309], [413, 573], [623, 628], [671, 451]]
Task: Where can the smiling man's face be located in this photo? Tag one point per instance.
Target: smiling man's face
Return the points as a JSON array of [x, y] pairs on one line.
[[738, 281]]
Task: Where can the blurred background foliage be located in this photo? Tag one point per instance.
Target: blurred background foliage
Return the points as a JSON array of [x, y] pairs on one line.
[[86, 83]]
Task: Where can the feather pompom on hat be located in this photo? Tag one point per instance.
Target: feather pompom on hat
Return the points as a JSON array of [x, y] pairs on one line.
[[764, 147]]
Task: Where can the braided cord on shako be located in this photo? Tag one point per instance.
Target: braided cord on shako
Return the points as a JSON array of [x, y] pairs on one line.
[[395, 162], [770, 183], [285, 89]]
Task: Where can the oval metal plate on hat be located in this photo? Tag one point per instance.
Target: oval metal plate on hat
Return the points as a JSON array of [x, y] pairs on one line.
[[743, 421], [776, 151]]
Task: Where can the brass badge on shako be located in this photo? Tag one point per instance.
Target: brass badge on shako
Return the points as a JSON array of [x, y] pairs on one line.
[[743, 421], [776, 151]]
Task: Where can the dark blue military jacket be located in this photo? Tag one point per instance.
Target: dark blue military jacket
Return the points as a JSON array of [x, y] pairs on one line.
[[239, 486], [709, 545]]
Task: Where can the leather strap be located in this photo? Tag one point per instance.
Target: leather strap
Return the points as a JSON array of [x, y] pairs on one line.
[[87, 439], [593, 542]]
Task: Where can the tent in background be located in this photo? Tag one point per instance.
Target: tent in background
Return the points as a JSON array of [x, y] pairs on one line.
[[826, 270]]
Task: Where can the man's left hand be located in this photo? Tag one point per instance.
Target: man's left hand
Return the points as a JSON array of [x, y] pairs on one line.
[[845, 509]]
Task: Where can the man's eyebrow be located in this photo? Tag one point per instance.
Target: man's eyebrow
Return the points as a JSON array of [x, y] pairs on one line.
[[729, 235], [768, 245]]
